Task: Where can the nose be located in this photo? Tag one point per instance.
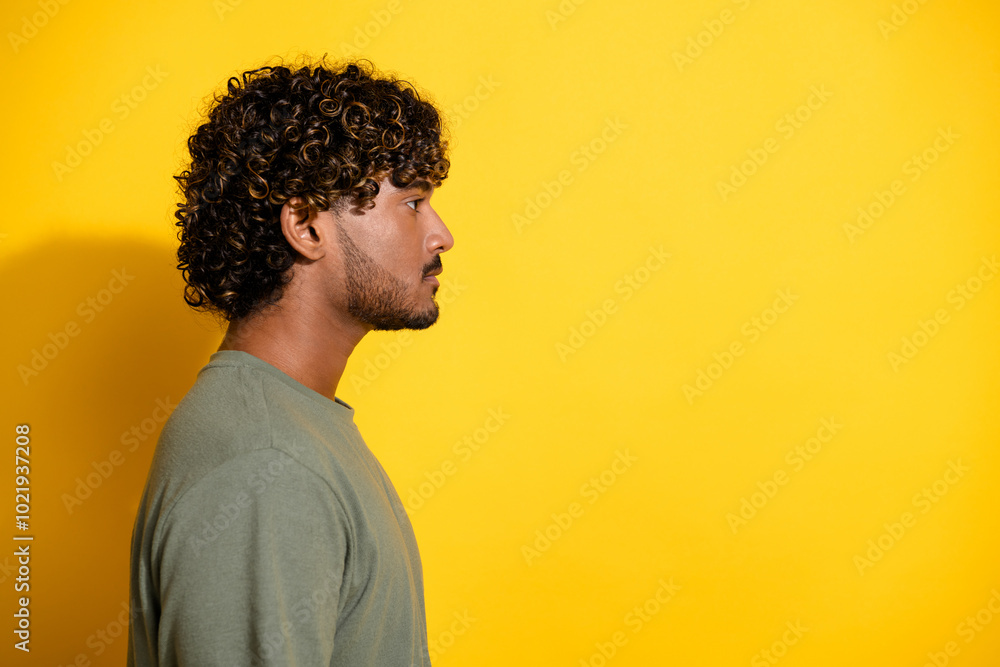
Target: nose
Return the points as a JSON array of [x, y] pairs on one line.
[[440, 239]]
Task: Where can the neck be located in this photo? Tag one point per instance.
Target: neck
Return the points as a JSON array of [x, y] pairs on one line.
[[308, 344]]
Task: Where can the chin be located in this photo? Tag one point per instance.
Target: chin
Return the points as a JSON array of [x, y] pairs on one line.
[[426, 319], [412, 320]]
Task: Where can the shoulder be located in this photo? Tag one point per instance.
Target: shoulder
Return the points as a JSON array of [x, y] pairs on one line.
[[234, 435], [264, 491]]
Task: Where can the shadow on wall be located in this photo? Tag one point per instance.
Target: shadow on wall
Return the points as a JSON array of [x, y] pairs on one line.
[[99, 347]]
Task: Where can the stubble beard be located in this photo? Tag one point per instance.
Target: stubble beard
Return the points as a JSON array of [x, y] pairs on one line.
[[378, 298]]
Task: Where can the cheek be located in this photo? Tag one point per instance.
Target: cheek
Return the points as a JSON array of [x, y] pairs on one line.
[[401, 251], [385, 245], [396, 257]]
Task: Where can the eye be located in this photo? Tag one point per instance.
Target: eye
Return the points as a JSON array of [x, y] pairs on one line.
[[414, 202]]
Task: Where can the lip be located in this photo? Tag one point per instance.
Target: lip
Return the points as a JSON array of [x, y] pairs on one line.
[[430, 276]]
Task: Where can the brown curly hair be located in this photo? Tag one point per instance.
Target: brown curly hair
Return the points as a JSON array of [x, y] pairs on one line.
[[327, 134]]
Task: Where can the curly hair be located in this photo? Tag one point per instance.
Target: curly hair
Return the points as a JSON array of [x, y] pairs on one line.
[[324, 133]]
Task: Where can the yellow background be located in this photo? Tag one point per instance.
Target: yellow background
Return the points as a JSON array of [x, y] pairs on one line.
[[557, 75]]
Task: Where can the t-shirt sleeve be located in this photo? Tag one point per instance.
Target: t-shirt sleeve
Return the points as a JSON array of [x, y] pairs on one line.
[[252, 566]]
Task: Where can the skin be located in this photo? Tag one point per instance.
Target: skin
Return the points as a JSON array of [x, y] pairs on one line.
[[355, 271]]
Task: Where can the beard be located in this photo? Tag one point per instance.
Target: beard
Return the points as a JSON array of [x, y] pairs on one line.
[[380, 299]]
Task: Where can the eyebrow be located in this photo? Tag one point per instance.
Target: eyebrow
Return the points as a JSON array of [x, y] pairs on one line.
[[420, 184]]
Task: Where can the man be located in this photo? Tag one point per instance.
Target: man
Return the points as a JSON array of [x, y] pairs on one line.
[[268, 533]]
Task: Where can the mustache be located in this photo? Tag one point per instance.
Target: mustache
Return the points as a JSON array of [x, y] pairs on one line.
[[434, 264]]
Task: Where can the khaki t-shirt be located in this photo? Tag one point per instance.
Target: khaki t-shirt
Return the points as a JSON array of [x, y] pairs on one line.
[[268, 534]]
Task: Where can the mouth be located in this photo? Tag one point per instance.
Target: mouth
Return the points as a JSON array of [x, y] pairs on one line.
[[430, 277]]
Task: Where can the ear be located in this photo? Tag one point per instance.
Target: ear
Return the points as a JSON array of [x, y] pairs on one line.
[[302, 228]]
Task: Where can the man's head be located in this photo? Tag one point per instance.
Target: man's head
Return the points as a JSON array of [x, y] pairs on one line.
[[318, 171]]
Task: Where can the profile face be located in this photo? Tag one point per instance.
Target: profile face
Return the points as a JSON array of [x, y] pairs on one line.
[[391, 256]]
